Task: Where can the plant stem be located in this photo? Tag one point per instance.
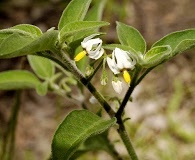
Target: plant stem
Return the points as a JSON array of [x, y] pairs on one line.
[[126, 140], [67, 63], [9, 138], [124, 102], [128, 94], [122, 131]]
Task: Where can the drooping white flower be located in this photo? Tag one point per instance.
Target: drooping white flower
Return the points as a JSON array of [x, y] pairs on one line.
[[92, 47], [121, 61], [117, 85]]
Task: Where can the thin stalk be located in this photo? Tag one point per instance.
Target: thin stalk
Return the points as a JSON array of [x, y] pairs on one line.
[[128, 94], [9, 139], [124, 102], [126, 140], [122, 131]]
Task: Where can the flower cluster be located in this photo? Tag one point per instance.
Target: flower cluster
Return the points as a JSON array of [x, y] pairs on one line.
[[120, 62]]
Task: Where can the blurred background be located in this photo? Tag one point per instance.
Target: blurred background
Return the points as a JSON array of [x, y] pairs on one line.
[[162, 124]]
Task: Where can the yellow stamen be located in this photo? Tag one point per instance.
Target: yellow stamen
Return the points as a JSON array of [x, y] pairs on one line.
[[126, 77], [80, 55]]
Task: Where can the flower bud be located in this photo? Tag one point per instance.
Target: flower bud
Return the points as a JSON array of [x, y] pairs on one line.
[[104, 78], [117, 85]]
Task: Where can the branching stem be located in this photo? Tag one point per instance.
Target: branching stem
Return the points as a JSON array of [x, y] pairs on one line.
[[64, 61]]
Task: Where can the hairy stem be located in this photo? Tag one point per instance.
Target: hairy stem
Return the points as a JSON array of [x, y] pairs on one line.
[[67, 63], [126, 140]]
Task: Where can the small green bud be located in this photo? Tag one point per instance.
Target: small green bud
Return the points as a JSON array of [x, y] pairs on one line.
[[104, 78], [66, 87], [89, 71]]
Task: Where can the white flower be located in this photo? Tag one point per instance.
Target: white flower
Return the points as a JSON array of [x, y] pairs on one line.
[[121, 62], [117, 85], [92, 48]]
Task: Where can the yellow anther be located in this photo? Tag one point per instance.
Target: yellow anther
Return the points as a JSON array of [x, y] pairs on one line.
[[126, 77], [80, 55]]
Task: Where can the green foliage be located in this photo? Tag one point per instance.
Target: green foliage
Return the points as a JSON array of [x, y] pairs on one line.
[[44, 68], [75, 129], [82, 126], [179, 41], [17, 79], [75, 11], [20, 43], [94, 143], [34, 31], [42, 88], [131, 37], [72, 29], [95, 13], [155, 56], [22, 29], [14, 42]]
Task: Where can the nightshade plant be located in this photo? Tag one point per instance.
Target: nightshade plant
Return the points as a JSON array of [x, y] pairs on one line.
[[64, 48]]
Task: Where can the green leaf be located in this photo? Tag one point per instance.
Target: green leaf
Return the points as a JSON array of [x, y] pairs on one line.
[[179, 41], [42, 88], [43, 67], [21, 29], [96, 12], [95, 143], [5, 33], [155, 56], [17, 44], [131, 37], [72, 29], [13, 43], [33, 30], [184, 45], [17, 79], [75, 11], [75, 129]]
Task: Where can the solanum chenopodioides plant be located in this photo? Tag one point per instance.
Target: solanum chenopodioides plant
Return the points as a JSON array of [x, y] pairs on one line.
[[64, 48]]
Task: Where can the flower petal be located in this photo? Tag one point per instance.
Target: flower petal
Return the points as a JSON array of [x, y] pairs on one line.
[[117, 85], [90, 37], [124, 59], [121, 58], [112, 65], [93, 43], [86, 41], [96, 54]]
